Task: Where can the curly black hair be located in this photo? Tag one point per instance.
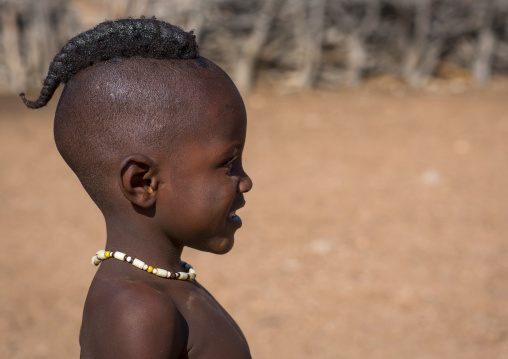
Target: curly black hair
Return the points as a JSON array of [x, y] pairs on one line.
[[125, 38]]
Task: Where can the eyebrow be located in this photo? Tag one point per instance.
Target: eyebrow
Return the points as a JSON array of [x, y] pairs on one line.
[[232, 150]]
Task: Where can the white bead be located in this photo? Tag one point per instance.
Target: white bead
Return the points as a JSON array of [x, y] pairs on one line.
[[183, 276], [137, 263], [154, 271], [95, 261], [192, 276], [101, 254], [120, 256], [145, 267], [160, 272], [191, 270], [128, 259]]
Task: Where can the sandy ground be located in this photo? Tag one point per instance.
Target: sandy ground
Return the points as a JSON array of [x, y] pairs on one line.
[[377, 228]]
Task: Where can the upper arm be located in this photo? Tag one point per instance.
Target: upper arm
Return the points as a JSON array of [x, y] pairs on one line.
[[139, 322]]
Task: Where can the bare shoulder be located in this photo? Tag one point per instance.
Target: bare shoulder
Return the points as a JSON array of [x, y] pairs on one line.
[[131, 319]]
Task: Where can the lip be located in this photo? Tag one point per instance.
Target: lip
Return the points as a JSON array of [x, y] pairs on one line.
[[236, 208], [233, 218]]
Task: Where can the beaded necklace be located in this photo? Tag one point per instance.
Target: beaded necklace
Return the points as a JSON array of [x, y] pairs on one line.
[[103, 255]]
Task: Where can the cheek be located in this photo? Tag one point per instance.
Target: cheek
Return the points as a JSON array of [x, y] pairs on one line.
[[201, 201], [205, 202], [213, 202]]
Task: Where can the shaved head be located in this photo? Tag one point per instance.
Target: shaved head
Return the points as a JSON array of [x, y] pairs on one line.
[[133, 87], [131, 106]]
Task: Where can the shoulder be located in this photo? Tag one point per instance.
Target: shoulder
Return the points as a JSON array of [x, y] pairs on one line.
[[134, 319], [135, 302]]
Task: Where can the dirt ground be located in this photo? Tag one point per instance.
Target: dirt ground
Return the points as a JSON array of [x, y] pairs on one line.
[[377, 228]]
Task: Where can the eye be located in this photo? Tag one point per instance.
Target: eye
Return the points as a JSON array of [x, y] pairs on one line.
[[229, 163]]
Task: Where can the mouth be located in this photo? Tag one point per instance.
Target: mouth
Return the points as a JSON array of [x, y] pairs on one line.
[[232, 215], [234, 218]]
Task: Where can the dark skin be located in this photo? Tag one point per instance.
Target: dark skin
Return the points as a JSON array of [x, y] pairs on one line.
[[168, 202]]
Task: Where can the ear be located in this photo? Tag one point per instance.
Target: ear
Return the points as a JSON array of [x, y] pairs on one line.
[[138, 180]]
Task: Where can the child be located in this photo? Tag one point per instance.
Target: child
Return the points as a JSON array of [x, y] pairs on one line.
[[155, 134]]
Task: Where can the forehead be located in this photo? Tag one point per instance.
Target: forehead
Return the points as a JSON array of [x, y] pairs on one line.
[[221, 110], [217, 128], [200, 102], [213, 106], [222, 127]]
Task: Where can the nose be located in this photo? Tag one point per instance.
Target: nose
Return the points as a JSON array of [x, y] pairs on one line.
[[245, 184]]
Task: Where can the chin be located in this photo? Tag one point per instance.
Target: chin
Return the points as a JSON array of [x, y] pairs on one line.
[[222, 246]]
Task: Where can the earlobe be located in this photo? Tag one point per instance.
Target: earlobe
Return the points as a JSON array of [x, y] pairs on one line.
[[138, 180]]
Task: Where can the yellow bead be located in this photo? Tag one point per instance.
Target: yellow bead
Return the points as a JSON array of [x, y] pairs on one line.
[[150, 269], [107, 254]]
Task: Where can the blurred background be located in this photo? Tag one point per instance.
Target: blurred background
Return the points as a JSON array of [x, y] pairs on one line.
[[377, 143]]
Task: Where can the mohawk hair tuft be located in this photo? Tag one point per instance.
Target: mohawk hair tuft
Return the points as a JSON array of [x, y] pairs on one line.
[[125, 38]]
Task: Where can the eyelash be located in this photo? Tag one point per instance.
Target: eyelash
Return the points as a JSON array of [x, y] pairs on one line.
[[229, 163]]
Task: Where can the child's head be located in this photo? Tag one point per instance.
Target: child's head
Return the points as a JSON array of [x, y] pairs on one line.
[[154, 132]]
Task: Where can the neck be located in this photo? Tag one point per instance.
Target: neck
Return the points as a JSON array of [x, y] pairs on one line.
[[139, 240]]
